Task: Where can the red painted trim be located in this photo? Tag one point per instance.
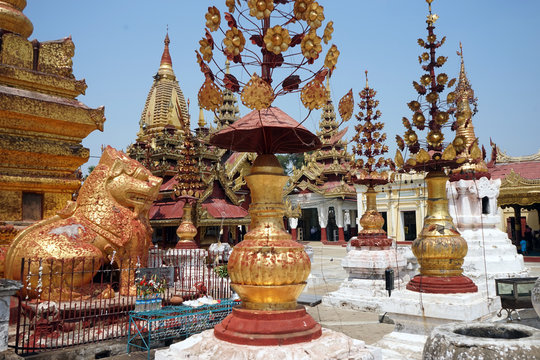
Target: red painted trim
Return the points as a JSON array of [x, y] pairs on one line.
[[268, 328], [531, 259]]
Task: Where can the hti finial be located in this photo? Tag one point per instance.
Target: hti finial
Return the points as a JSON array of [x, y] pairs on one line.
[[367, 85], [460, 52], [429, 2], [227, 66]]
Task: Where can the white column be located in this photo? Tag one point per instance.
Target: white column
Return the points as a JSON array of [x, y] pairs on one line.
[[339, 214], [322, 213]]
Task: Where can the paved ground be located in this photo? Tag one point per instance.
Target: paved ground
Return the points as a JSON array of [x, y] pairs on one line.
[[357, 324]]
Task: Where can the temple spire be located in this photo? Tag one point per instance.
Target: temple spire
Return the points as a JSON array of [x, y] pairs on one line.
[[465, 129], [165, 66]]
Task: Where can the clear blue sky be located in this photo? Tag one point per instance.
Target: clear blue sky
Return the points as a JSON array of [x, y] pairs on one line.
[[119, 45]]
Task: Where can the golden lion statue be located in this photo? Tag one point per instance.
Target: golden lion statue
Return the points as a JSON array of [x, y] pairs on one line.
[[108, 222]]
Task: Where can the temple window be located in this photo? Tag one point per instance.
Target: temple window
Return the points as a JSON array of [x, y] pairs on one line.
[[409, 225], [32, 206]]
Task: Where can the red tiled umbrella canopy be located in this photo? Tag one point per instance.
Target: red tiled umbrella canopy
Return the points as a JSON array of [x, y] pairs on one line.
[[268, 131]]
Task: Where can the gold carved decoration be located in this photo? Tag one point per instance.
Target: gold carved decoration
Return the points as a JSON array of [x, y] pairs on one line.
[[109, 222]]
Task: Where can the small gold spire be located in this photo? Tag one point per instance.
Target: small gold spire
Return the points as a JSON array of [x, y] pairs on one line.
[[367, 84], [227, 66], [202, 122]]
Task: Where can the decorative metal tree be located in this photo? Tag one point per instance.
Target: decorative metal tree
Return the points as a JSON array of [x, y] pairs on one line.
[[439, 248], [267, 269], [369, 144], [189, 187]]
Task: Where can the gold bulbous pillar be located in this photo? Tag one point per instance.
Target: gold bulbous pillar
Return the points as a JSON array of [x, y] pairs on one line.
[[186, 230], [268, 269], [371, 221], [440, 249]]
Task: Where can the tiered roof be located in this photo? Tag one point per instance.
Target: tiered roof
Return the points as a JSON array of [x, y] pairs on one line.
[[164, 121], [326, 171]]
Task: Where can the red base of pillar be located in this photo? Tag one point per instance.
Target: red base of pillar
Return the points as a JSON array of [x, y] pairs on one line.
[[442, 285], [186, 245], [324, 238], [268, 328], [293, 234]]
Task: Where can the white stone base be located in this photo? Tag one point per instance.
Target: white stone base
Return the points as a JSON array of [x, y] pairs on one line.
[[331, 345], [417, 314], [362, 294], [400, 346], [501, 258]]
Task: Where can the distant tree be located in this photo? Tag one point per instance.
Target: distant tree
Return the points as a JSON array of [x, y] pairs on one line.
[[287, 161], [90, 168]]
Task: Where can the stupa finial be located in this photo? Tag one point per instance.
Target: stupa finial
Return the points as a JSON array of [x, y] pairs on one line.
[[202, 122]]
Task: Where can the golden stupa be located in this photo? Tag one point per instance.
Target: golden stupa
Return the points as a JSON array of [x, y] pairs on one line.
[[41, 121]]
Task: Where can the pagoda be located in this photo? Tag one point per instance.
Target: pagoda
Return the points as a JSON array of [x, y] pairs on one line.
[[164, 121], [41, 121], [324, 184], [162, 143], [473, 195]]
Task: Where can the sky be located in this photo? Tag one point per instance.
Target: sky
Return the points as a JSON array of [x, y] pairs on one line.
[[118, 47]]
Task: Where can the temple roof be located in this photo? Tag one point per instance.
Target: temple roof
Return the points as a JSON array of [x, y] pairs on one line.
[[520, 178], [326, 171]]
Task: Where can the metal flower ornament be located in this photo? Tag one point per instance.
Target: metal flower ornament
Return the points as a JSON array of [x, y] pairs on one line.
[[370, 141], [270, 35], [431, 111]]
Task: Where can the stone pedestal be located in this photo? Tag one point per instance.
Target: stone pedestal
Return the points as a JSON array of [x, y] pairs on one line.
[[491, 254], [417, 314], [7, 289], [365, 287], [331, 345]]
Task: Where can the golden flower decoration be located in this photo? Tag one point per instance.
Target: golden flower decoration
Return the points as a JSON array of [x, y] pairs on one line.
[[331, 58], [452, 82], [315, 15], [257, 94], [213, 18], [231, 5], [311, 45], [210, 96], [435, 138], [419, 120], [441, 60], [425, 79], [442, 78], [410, 137], [406, 123], [459, 143], [451, 97], [260, 8], [301, 8], [328, 30], [442, 117], [314, 95], [414, 105], [425, 56], [277, 39], [206, 49], [346, 106], [421, 42], [432, 97], [234, 41], [432, 38]]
